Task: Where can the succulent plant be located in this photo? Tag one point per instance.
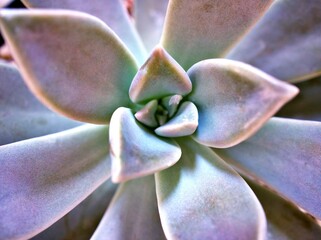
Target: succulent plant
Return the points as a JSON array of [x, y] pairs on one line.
[[167, 118]]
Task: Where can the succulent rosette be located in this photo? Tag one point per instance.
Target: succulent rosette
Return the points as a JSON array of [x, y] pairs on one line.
[[169, 111]]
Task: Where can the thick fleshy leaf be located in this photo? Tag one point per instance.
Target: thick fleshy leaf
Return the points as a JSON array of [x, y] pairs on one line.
[[132, 214], [159, 77], [306, 105], [22, 116], [149, 19], [41, 179], [198, 30], [82, 221], [111, 12], [286, 43], [171, 103], [146, 115], [71, 61], [201, 197], [184, 123], [284, 220], [233, 100], [286, 155], [135, 150]]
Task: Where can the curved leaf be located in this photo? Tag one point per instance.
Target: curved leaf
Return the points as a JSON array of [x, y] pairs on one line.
[[306, 105], [201, 197], [132, 214], [82, 221], [184, 122], [286, 155], [159, 77], [71, 61], [22, 116], [135, 150], [233, 100], [149, 20], [207, 28], [111, 12], [284, 220], [42, 179], [286, 43]]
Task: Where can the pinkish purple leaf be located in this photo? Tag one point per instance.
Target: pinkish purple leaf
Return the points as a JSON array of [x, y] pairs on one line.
[[198, 30], [22, 116], [201, 197], [286, 43], [233, 100], [137, 151], [111, 12], [306, 105], [81, 222], [285, 155], [42, 179], [133, 213], [149, 20], [285, 221], [71, 61]]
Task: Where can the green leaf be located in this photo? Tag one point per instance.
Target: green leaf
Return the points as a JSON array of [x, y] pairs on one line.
[[198, 30], [149, 20], [111, 12], [42, 179], [133, 213], [184, 122], [201, 197], [71, 61], [284, 220], [135, 150], [21, 114], [285, 155], [286, 43], [159, 77], [233, 100]]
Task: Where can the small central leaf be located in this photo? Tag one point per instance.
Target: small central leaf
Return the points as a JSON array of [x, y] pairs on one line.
[[159, 77]]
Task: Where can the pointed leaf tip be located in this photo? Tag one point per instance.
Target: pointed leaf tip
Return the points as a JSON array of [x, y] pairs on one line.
[[159, 77], [233, 100], [135, 150]]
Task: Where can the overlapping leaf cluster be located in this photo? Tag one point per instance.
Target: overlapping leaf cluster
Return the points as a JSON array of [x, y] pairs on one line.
[[171, 111]]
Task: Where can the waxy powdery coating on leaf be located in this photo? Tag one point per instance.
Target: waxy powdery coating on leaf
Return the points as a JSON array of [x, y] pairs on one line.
[[177, 117]]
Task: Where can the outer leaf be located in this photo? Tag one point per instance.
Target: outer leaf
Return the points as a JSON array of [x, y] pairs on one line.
[[286, 155], [43, 178], [135, 150], [111, 12], [207, 28], [82, 221], [149, 20], [133, 213], [284, 220], [71, 61], [201, 197], [233, 100], [21, 114], [306, 105], [286, 43]]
